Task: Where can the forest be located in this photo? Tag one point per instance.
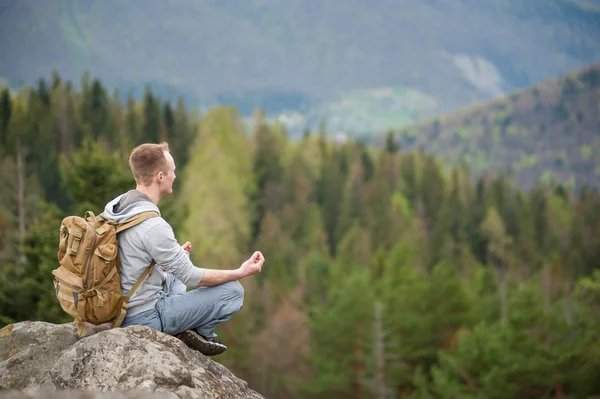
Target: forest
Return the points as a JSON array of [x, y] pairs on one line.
[[389, 273]]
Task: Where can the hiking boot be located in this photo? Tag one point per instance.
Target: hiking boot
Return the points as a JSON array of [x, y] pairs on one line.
[[198, 342]]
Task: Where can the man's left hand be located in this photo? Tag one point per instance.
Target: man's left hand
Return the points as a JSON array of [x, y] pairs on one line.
[[187, 247]]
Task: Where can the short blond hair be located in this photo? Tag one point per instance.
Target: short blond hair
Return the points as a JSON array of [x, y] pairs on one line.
[[146, 160]]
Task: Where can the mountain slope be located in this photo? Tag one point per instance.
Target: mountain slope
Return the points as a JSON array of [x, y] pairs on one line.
[[552, 128], [257, 52]]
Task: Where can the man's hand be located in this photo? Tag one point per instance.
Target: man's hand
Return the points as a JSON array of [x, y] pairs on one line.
[[187, 247], [215, 276], [253, 265]]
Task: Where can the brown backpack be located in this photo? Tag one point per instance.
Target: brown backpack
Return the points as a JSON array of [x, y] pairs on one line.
[[88, 280]]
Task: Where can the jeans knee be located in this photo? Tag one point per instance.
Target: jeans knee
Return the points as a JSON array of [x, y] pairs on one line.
[[234, 291]]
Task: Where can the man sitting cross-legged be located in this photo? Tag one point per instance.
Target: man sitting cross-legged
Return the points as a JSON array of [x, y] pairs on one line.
[[162, 301]]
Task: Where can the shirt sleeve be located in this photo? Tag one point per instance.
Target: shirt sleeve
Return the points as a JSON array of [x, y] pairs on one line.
[[161, 244]]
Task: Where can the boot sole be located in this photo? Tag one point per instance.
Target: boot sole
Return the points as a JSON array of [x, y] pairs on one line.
[[196, 342]]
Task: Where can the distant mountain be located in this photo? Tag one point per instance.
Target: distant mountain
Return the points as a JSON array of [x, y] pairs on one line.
[[305, 59], [551, 130]]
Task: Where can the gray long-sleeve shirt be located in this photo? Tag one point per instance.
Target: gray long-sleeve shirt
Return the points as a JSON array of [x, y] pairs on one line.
[[151, 239]]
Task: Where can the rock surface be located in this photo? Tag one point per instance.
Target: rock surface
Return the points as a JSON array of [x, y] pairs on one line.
[[39, 359]]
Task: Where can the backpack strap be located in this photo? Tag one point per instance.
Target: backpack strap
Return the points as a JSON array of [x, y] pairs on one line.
[[139, 218], [125, 303]]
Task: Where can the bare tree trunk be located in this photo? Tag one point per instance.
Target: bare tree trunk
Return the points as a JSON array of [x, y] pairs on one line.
[[359, 366], [558, 389], [21, 193], [264, 366], [379, 352]]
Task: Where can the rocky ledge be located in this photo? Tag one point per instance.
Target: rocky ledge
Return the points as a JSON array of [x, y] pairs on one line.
[[39, 359]]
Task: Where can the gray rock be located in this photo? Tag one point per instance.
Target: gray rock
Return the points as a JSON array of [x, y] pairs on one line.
[[47, 360]]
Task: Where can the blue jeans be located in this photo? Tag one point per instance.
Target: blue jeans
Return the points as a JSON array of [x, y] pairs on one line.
[[200, 309]]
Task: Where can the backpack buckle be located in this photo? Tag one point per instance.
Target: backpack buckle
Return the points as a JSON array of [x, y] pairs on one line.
[[89, 293]]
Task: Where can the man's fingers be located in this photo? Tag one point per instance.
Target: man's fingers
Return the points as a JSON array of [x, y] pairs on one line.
[[187, 247], [257, 259]]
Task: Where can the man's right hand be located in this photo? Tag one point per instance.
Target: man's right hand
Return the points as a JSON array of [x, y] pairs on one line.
[[253, 265], [215, 276]]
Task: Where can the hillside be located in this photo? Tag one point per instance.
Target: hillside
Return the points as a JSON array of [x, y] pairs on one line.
[[305, 59], [552, 128]]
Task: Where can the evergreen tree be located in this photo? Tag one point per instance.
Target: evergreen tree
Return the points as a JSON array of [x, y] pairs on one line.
[[267, 166], [341, 339], [93, 176], [151, 125]]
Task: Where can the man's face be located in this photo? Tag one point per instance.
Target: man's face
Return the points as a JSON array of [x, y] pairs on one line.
[[166, 179]]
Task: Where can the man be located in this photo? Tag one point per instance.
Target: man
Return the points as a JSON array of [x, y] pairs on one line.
[[162, 301]]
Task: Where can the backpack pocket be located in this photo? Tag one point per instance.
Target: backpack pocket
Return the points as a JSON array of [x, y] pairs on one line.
[[104, 306], [73, 244], [67, 286], [68, 279], [105, 284], [103, 263]]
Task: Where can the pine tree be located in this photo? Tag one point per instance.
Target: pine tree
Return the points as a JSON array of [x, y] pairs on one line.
[[341, 339], [267, 167], [151, 126], [528, 356], [329, 193], [93, 176], [498, 255]]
